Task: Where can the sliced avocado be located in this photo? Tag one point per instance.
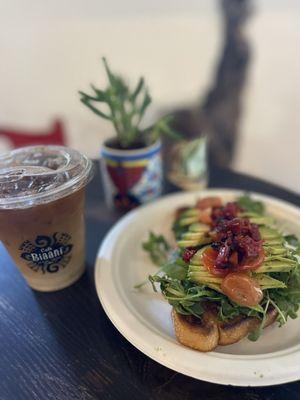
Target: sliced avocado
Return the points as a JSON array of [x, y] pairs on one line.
[[187, 220], [205, 278], [269, 233], [196, 259], [191, 212], [276, 250], [250, 214], [197, 268], [192, 235], [262, 220], [276, 257], [198, 227], [277, 266], [267, 282], [193, 243], [277, 242]]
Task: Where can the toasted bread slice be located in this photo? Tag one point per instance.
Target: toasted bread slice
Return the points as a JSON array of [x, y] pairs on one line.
[[199, 334], [207, 333]]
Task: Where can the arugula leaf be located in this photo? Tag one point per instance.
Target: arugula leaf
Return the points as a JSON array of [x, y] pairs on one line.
[[186, 297], [170, 262], [254, 335], [158, 248], [251, 205], [175, 270], [286, 301], [177, 229], [292, 240]]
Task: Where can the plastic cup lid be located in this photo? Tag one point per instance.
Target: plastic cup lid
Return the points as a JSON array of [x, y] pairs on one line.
[[40, 174]]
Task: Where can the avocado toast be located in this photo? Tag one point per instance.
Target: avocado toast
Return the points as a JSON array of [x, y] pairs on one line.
[[231, 274]]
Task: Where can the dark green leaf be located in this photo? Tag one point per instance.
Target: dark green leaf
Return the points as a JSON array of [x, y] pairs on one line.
[[110, 75], [292, 240], [254, 335], [95, 109], [145, 104], [158, 248], [178, 230], [251, 205], [137, 90], [101, 95], [175, 271], [86, 97]]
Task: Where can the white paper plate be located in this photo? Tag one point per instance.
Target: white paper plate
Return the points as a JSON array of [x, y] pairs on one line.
[[143, 317]]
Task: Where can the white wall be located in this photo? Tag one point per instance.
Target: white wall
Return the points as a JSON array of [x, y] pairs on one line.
[[50, 49], [270, 145]]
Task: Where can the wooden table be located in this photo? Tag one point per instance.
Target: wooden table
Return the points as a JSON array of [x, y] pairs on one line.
[[62, 346]]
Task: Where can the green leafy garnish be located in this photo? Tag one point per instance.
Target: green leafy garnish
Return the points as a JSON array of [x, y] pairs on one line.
[[175, 271], [170, 262], [250, 205], [254, 335], [292, 240], [186, 297], [178, 229], [158, 248]]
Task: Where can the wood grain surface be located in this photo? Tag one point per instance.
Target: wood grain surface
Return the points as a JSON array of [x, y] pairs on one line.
[[62, 346]]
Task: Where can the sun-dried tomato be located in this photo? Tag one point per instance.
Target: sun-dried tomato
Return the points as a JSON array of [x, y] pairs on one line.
[[235, 235], [229, 211], [188, 253]]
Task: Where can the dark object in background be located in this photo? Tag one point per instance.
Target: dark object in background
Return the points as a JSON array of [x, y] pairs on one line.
[[19, 138], [125, 202], [219, 113]]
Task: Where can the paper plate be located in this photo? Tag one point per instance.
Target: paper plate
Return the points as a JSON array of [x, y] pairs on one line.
[[143, 317]]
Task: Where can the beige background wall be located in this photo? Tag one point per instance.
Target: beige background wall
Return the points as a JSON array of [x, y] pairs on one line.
[[50, 49]]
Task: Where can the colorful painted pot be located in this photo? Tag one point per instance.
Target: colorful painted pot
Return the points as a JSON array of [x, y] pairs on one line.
[[131, 177]]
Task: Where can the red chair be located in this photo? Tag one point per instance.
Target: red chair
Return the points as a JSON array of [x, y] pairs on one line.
[[19, 138]]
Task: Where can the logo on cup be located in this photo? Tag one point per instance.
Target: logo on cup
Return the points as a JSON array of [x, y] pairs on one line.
[[47, 253]]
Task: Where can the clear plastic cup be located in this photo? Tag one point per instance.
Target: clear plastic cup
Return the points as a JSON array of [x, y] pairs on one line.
[[42, 191]]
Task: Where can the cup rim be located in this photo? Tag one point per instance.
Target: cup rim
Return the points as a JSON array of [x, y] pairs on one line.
[[72, 185]]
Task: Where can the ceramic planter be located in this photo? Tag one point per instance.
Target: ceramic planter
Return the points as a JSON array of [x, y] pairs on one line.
[[131, 177]]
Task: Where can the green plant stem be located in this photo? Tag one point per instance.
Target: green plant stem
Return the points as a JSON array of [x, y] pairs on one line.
[[126, 109]]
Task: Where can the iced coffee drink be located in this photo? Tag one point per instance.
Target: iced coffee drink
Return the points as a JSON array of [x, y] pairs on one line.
[[42, 213]]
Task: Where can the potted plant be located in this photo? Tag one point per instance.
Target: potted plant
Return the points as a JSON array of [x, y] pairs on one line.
[[131, 160]]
